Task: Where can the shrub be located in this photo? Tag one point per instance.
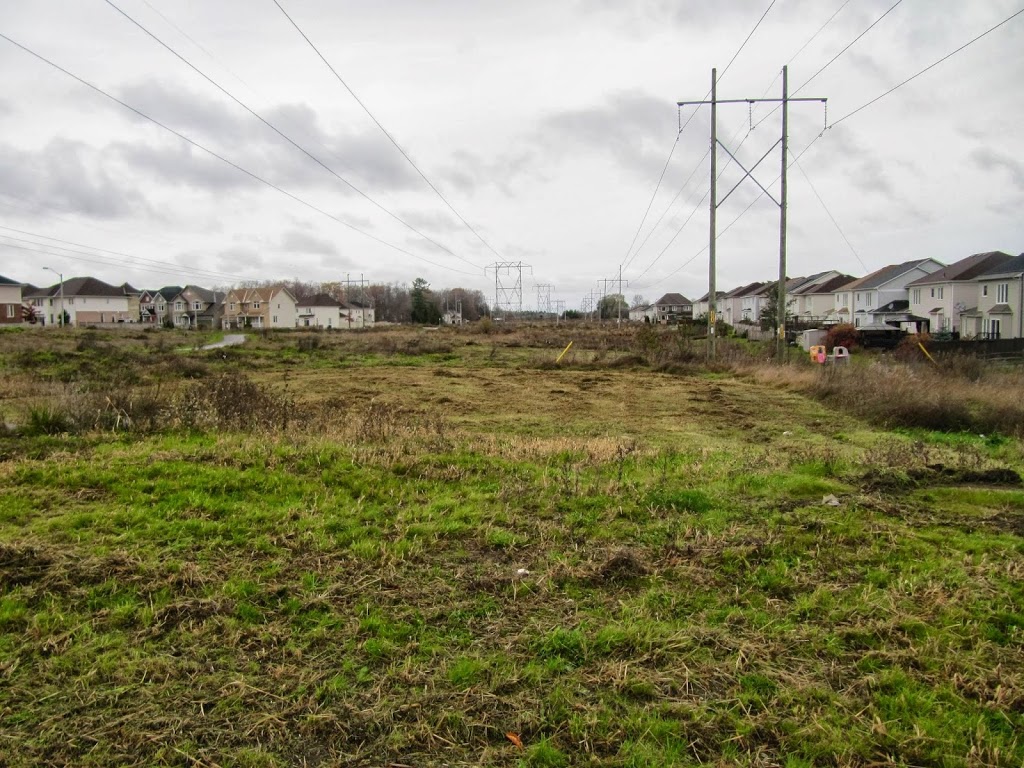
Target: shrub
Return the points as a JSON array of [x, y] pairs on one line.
[[842, 335]]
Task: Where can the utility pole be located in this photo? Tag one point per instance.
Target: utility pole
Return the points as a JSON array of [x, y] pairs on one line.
[[712, 271], [61, 276], [780, 312], [604, 291], [508, 294], [543, 297], [559, 309], [621, 295], [715, 203]]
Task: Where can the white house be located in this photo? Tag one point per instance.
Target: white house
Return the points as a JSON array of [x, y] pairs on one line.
[[702, 306], [732, 302], [85, 301], [320, 311], [871, 295], [814, 300], [1000, 310], [356, 314], [943, 295]]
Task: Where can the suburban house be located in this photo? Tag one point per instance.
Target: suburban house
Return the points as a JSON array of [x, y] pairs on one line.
[[732, 302], [671, 308], [153, 305], [642, 313], [10, 301], [702, 305], [1000, 310], [356, 314], [320, 311], [813, 300], [869, 300], [943, 295], [260, 308], [195, 307], [86, 301]]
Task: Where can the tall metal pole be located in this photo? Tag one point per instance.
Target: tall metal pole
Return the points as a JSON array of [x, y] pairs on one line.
[[619, 300], [712, 293], [781, 308]]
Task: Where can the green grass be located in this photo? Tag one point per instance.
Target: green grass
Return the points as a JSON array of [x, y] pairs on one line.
[[660, 588]]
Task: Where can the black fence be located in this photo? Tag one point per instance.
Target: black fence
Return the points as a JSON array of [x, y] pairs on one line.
[[987, 348]]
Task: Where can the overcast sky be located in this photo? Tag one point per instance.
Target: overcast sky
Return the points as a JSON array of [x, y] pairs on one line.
[[545, 123]]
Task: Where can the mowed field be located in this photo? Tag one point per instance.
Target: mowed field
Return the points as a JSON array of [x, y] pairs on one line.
[[441, 548]]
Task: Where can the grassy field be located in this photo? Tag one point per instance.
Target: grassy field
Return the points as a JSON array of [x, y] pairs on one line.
[[427, 548]]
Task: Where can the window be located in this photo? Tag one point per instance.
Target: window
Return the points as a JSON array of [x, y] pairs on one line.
[[993, 328], [231, 306], [933, 293], [940, 291], [10, 310], [179, 305], [857, 298], [871, 299], [197, 305], [274, 320], [255, 305], [856, 322], [1002, 293], [917, 296], [984, 290]]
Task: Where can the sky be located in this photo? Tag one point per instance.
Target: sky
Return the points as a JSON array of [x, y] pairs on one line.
[[542, 128]]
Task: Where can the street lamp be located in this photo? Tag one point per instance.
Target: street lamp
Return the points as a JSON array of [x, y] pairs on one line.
[[61, 276]]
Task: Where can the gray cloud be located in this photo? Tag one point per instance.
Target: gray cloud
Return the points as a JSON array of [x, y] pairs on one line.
[[303, 242], [180, 164], [67, 175], [988, 159]]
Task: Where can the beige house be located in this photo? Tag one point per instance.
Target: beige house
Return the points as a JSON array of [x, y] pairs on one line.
[[882, 296], [943, 295], [195, 307], [815, 300], [260, 308], [1000, 310], [10, 302]]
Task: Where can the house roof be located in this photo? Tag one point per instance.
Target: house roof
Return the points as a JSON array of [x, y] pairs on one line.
[[320, 300], [706, 296], [1001, 309], [8, 281], [206, 296], [168, 292], [829, 286], [899, 305], [743, 290], [965, 269], [128, 289], [353, 304], [881, 276], [81, 286], [672, 298], [1013, 266]]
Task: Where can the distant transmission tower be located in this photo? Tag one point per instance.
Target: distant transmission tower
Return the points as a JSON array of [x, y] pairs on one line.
[[544, 298], [508, 285]]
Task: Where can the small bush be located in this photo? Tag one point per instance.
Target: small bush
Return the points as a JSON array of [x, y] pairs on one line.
[[49, 420], [842, 335]]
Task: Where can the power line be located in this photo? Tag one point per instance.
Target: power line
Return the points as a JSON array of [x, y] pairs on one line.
[[744, 43], [391, 138], [223, 159], [930, 66], [831, 217], [848, 47], [651, 202], [138, 261], [287, 138]]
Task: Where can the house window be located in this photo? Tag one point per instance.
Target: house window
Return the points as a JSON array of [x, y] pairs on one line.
[[255, 305], [940, 291], [231, 306], [984, 290], [871, 298], [197, 305], [856, 322], [857, 297], [10, 310], [179, 305], [1002, 293], [274, 320], [917, 295], [993, 328]]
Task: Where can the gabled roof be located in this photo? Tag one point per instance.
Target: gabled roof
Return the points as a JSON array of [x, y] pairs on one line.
[[706, 296], [966, 269], [168, 292], [743, 290], [884, 275], [129, 290], [1001, 309], [82, 286], [829, 286], [672, 298], [320, 300], [1014, 266], [206, 296], [8, 281]]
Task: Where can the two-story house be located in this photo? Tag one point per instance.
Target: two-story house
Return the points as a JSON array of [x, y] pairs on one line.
[[1000, 310], [85, 300], [195, 307], [814, 300], [882, 298], [272, 307], [642, 313], [702, 306], [157, 305], [320, 311], [732, 302], [672, 308], [357, 314], [944, 295], [10, 301]]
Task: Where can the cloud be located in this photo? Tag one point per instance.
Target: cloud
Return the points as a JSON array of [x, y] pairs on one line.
[[302, 242], [180, 164], [988, 159], [68, 175]]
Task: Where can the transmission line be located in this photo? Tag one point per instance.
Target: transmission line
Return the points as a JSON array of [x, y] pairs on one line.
[[287, 138], [831, 217], [225, 160], [390, 138]]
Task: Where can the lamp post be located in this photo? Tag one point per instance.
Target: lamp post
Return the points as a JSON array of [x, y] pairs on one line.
[[61, 276]]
